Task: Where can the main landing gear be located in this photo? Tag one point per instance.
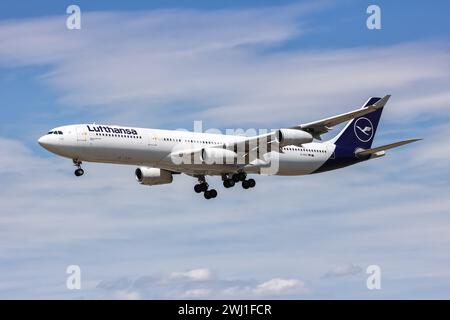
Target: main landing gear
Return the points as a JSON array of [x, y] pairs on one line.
[[240, 176], [203, 186], [77, 163], [228, 182]]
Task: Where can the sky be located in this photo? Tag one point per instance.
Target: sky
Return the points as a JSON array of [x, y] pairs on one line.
[[230, 64]]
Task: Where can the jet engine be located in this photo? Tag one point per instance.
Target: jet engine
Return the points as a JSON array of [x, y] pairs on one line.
[[153, 176], [287, 137], [218, 156]]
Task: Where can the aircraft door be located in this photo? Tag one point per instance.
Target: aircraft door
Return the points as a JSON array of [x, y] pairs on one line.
[[153, 140], [82, 134]]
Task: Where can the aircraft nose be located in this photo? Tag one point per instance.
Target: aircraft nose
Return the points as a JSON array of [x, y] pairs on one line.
[[43, 141]]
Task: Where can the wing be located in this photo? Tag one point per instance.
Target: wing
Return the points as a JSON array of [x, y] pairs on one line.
[[317, 128]]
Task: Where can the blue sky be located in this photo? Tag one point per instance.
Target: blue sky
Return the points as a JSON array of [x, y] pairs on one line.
[[231, 64]]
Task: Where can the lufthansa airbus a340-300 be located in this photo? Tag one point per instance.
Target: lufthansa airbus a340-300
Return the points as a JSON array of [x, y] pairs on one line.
[[160, 154]]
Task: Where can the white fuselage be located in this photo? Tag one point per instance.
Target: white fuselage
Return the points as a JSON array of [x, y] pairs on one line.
[[153, 148]]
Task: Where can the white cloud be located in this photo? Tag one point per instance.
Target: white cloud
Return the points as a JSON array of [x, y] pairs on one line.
[[185, 285], [216, 65], [15, 157], [192, 275], [278, 285], [431, 153]]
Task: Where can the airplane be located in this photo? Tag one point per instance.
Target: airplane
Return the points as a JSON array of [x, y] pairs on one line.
[[160, 154]]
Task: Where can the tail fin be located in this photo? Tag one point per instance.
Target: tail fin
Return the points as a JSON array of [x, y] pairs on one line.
[[360, 132]]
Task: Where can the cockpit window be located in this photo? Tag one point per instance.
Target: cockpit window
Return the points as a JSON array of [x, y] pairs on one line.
[[55, 132], [60, 132], [51, 132]]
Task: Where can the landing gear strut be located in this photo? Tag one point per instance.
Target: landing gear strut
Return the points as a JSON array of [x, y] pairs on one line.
[[203, 186], [240, 176], [77, 163]]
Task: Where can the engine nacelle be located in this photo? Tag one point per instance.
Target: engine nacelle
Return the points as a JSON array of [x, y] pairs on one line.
[[218, 156], [153, 176], [287, 137]]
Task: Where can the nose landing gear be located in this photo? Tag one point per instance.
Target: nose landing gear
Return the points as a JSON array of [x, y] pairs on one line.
[[77, 163]]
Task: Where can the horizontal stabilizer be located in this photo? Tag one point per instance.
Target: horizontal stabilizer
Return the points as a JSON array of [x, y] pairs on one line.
[[385, 147]]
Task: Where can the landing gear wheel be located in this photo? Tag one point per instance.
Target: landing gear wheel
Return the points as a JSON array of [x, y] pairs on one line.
[[242, 176], [77, 163], [228, 183], [245, 184], [235, 177], [198, 188], [203, 186], [251, 183]]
